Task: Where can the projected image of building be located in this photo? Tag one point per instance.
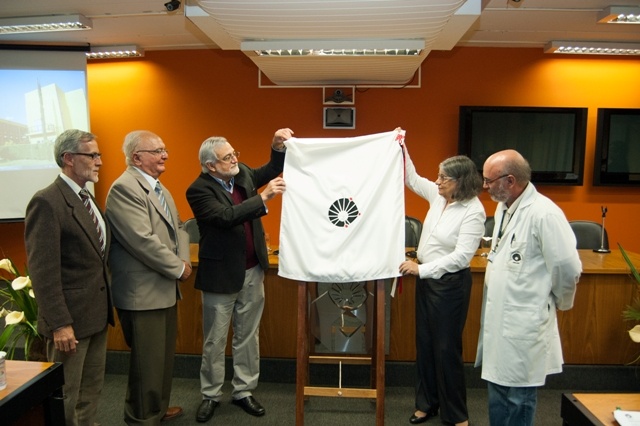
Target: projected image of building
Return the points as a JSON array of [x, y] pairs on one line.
[[50, 111]]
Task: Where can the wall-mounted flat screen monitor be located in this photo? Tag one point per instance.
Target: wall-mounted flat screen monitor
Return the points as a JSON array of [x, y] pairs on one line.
[[552, 139], [617, 157]]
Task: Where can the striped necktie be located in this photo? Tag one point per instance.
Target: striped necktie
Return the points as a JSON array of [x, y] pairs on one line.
[[86, 200], [163, 202]]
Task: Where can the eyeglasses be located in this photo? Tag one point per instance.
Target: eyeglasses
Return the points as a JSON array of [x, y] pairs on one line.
[[93, 155], [444, 178], [227, 158], [488, 181], [159, 151]]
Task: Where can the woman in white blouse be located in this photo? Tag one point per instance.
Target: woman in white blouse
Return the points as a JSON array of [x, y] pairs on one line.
[[450, 237]]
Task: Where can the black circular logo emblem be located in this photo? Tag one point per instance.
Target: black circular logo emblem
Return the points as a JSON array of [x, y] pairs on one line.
[[343, 212]]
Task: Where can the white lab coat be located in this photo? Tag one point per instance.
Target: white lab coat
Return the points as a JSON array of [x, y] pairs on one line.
[[533, 271]]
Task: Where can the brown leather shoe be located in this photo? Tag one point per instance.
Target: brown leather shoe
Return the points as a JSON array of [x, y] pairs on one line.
[[172, 413]]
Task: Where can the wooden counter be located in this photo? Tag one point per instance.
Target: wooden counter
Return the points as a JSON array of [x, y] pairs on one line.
[[33, 395], [589, 331], [581, 409]]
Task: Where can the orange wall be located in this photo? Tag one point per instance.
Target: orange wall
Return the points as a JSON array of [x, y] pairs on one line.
[[186, 96]]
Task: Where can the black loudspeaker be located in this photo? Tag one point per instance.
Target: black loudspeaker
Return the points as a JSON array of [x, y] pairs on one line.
[[172, 5], [339, 118]]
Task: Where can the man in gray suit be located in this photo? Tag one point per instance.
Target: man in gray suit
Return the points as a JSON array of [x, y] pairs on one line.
[[67, 242], [149, 255]]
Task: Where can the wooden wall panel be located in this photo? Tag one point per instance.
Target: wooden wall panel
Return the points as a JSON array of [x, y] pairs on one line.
[[593, 332]]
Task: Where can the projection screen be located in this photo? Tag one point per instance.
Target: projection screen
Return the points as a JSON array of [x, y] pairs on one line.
[[41, 94]]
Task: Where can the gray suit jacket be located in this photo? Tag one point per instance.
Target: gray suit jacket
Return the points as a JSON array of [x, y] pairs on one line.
[[148, 249], [70, 278]]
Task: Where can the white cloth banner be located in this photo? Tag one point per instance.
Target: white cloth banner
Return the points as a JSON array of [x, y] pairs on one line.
[[343, 210]]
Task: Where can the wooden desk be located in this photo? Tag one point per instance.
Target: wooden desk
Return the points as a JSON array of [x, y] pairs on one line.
[[33, 395], [579, 409], [588, 331]]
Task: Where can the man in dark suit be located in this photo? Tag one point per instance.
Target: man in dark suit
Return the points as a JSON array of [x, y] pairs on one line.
[[149, 256], [232, 259], [67, 242]]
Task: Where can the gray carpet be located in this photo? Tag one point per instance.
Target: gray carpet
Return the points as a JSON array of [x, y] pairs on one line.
[[279, 402], [276, 392]]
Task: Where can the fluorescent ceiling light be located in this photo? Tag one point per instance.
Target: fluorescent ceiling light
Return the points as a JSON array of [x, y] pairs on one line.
[[619, 15], [592, 48], [35, 24], [113, 52], [339, 52], [405, 47]]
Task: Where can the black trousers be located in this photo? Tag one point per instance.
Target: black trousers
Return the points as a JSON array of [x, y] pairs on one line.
[[441, 312]]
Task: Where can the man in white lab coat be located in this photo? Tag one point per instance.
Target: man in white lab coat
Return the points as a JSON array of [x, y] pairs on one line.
[[533, 268]]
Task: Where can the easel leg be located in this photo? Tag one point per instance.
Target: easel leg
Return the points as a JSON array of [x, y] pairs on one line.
[[302, 352], [379, 351]]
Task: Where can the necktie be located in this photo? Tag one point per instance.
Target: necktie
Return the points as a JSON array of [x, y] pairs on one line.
[[84, 195], [163, 202]]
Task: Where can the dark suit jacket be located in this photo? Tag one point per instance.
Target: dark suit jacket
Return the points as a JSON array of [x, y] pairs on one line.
[[221, 256], [70, 278], [148, 249]]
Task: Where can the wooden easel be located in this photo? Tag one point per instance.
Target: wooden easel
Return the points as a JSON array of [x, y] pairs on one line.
[[376, 360]]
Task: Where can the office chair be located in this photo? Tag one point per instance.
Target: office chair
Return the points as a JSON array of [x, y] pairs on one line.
[[489, 223], [485, 242], [589, 234], [191, 226], [412, 231]]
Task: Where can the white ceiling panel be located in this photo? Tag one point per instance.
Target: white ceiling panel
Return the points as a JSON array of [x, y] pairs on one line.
[[323, 20], [299, 19]]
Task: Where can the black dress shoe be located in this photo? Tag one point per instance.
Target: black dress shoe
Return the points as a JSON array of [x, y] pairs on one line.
[[414, 420], [250, 405], [206, 409]]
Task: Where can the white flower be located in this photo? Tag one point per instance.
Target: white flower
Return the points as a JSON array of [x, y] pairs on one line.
[[7, 266], [634, 333], [4, 313], [20, 283], [32, 294], [14, 317]]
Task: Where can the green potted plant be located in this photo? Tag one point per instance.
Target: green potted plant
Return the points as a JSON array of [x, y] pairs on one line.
[[632, 312], [19, 308]]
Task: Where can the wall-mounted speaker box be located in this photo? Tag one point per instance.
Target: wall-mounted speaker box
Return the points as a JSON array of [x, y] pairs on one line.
[[339, 118]]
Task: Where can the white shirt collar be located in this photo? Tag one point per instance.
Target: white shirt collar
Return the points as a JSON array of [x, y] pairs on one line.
[[72, 184], [152, 181]]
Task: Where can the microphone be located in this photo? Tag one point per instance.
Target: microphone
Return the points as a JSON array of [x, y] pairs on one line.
[[602, 249]]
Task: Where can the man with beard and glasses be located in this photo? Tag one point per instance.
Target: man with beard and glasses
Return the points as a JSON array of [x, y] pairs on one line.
[[67, 240], [533, 268], [232, 259]]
